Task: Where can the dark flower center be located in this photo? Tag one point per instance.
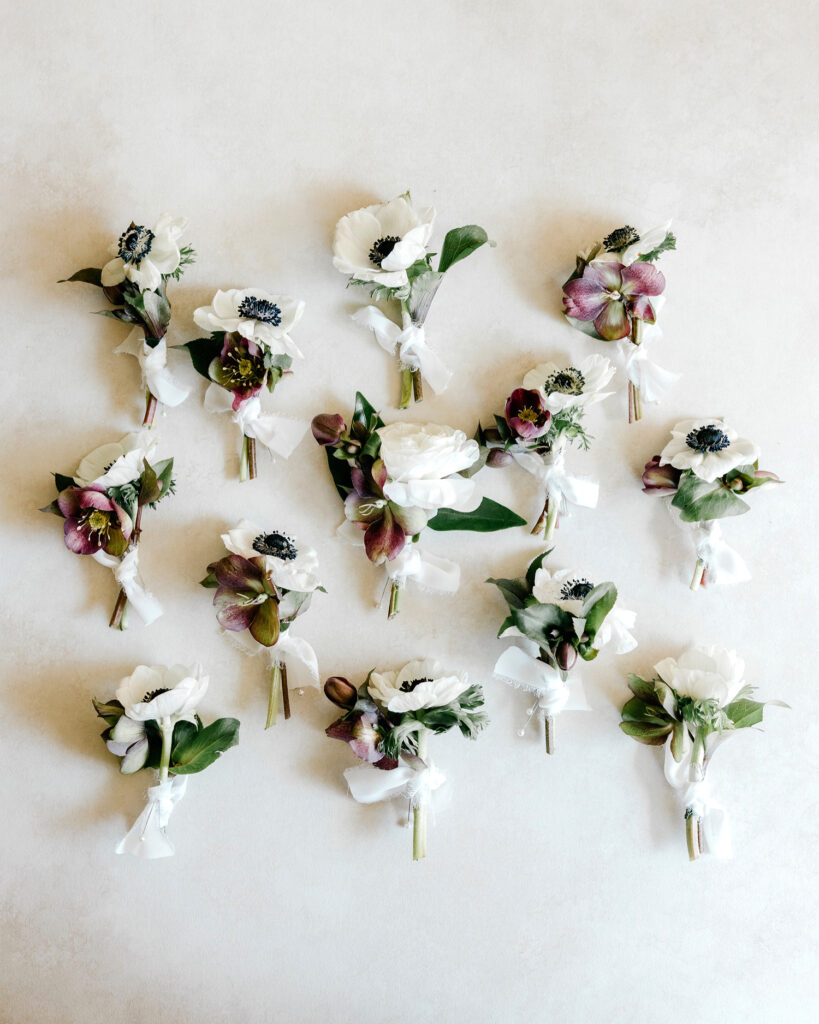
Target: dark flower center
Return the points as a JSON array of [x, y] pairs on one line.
[[135, 244], [620, 239], [155, 693], [707, 439], [241, 370], [568, 382], [263, 310], [96, 521], [275, 544], [575, 590], [382, 248], [408, 686], [529, 415]]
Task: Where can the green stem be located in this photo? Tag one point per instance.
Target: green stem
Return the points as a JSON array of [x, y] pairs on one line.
[[548, 725], [166, 725], [406, 387], [274, 694], [118, 615], [635, 405], [150, 409], [417, 386], [395, 599], [699, 571], [692, 836], [420, 811]]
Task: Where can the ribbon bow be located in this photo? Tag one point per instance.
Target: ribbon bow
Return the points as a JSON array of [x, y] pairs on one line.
[[156, 376], [429, 572], [561, 488], [279, 434], [689, 783], [527, 672], [410, 343], [369, 785], [302, 663], [147, 838], [126, 573], [652, 380], [724, 565]]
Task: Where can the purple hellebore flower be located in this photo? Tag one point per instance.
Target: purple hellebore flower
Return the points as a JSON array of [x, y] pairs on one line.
[[613, 295], [361, 730], [246, 599], [365, 505], [659, 479], [526, 414], [93, 522], [239, 368], [327, 428]]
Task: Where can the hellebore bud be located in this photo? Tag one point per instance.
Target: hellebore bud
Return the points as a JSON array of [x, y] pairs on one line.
[[341, 692], [565, 656], [498, 457], [327, 428], [659, 479]]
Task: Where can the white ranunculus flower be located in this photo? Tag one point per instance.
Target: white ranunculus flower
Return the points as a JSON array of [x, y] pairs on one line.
[[708, 447], [418, 685], [642, 246], [565, 588], [378, 243], [116, 463], [145, 256], [704, 673], [161, 692], [565, 386], [291, 566], [255, 314], [422, 460]]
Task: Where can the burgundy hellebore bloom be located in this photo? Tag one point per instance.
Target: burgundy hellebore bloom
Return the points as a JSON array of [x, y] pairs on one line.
[[365, 505], [613, 295], [659, 479], [327, 428], [239, 368], [361, 730], [527, 414], [246, 599], [93, 522]]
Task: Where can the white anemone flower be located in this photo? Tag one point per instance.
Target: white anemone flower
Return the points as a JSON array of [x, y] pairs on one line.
[[563, 387], [708, 447], [116, 463], [292, 566], [162, 693], [256, 315], [565, 588], [129, 740], [378, 243], [419, 684], [423, 461], [704, 673], [636, 245], [145, 256]]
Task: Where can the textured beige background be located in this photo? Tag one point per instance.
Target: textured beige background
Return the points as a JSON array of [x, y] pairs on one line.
[[553, 892]]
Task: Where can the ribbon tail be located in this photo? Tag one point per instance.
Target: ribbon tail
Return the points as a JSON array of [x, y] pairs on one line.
[[652, 380], [156, 376], [429, 572], [142, 600], [147, 837], [370, 785], [386, 331], [716, 833], [433, 369], [300, 658], [724, 564], [281, 435]]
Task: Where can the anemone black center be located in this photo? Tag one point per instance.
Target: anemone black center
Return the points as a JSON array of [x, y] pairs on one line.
[[409, 685], [381, 249], [155, 693], [135, 244], [568, 382], [263, 310], [621, 239], [707, 439], [275, 544], [575, 590]]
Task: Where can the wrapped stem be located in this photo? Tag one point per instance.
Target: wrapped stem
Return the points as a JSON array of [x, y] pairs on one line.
[[166, 726], [117, 620], [417, 386], [547, 521], [278, 693], [406, 387], [247, 460], [421, 809], [549, 733], [699, 573], [635, 404], [693, 833], [150, 409], [395, 599]]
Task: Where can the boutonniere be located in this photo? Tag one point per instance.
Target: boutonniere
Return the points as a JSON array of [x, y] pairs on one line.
[[690, 706], [387, 723], [153, 724], [615, 294], [707, 467], [249, 350], [383, 248], [541, 420], [135, 283], [102, 504], [265, 582], [557, 617], [399, 478]]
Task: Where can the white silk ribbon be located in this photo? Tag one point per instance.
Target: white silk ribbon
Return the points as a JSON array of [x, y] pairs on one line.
[[560, 486], [156, 376], [693, 791], [126, 573], [369, 785], [722, 562], [147, 837], [652, 380], [279, 434], [527, 672], [410, 344], [300, 658]]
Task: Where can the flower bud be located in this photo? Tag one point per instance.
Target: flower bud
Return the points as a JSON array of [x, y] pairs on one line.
[[327, 428], [565, 656], [341, 692], [659, 479], [498, 457]]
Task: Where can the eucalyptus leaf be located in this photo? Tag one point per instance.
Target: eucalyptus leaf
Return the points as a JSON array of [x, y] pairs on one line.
[[539, 621], [699, 500], [654, 735], [460, 243], [196, 753], [489, 517], [644, 689]]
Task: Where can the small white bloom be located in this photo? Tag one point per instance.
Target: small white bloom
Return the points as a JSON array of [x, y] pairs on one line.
[[257, 315], [563, 387], [291, 566], [145, 256], [704, 673], [422, 462], [418, 685], [161, 692], [708, 447], [378, 243], [116, 463], [565, 588], [646, 242]]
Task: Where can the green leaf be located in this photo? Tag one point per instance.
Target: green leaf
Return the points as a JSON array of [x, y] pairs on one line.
[[341, 472], [489, 517], [164, 475], [744, 713], [149, 489], [637, 710], [209, 581], [644, 689], [194, 754], [460, 243], [107, 709], [678, 732], [667, 244], [157, 312], [63, 481], [654, 735], [699, 500], [124, 316], [598, 603], [364, 413], [203, 351], [539, 621], [536, 564], [514, 591], [91, 275]]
